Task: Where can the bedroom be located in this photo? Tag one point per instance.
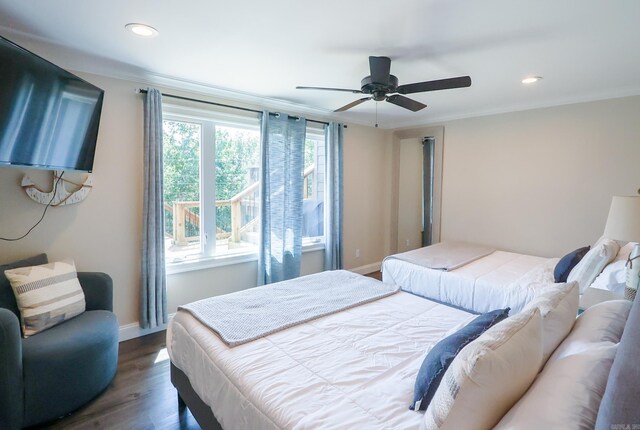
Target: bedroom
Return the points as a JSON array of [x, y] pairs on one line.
[[566, 144]]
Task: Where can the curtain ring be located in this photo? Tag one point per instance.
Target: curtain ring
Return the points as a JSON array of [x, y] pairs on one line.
[[297, 118], [277, 114]]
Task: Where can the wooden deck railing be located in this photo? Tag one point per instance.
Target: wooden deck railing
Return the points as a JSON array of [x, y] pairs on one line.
[[182, 214]]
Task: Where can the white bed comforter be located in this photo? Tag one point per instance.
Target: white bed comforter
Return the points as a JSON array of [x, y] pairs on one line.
[[351, 370], [501, 279]]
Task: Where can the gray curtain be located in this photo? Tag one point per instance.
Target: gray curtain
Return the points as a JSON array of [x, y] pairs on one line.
[[428, 148], [333, 198], [153, 300], [281, 184]]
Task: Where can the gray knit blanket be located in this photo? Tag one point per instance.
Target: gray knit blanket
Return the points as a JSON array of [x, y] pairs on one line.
[[250, 314], [444, 256]]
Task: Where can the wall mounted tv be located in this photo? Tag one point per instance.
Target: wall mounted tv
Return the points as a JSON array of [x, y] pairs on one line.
[[49, 117]]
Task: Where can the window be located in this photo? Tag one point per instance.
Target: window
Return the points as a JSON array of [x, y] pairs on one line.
[[212, 157], [313, 191], [237, 170], [181, 157]]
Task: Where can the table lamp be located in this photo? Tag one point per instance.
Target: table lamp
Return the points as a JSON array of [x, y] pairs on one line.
[[623, 224]]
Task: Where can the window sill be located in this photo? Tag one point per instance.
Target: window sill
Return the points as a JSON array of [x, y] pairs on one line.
[[226, 260]]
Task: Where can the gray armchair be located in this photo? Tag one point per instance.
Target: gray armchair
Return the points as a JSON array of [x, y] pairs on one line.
[[54, 372]]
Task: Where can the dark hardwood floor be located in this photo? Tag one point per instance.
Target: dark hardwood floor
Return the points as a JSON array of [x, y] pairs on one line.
[[376, 275], [141, 397]]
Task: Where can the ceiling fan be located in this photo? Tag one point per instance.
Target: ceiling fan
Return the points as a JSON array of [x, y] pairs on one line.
[[381, 85]]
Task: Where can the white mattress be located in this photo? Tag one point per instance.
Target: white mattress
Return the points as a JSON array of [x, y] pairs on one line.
[[496, 281], [351, 370]]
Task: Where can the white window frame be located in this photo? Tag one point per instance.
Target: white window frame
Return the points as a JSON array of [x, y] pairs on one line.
[[317, 134], [208, 120]]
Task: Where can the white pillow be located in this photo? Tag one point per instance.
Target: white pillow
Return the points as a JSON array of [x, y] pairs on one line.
[[489, 375], [614, 276], [625, 251], [566, 394], [46, 295], [586, 271], [558, 305], [601, 323]]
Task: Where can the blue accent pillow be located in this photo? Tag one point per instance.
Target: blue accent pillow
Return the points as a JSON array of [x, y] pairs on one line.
[[568, 262], [442, 354]]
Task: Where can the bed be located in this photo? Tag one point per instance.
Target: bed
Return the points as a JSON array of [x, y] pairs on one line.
[[479, 278], [353, 368], [493, 280]]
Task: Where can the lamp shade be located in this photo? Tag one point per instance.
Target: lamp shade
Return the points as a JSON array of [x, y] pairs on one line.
[[623, 222]]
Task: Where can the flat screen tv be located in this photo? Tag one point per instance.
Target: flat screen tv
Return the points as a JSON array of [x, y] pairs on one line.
[[49, 117]]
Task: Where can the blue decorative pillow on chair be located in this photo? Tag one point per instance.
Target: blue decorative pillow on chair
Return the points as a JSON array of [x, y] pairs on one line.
[[568, 262], [442, 354]]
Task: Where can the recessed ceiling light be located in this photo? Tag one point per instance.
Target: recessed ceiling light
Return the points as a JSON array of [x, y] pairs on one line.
[[531, 79], [141, 29]]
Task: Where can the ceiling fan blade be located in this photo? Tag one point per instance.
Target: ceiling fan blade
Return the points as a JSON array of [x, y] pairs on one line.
[[440, 84], [380, 68], [331, 89], [352, 104], [406, 102]]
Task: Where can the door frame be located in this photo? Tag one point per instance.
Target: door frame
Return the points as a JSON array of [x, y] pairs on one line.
[[437, 132]]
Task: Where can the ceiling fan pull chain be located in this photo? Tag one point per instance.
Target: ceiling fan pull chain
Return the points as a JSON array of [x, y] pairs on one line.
[[376, 114]]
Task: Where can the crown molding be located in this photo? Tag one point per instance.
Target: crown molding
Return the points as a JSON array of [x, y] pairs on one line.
[[621, 93]]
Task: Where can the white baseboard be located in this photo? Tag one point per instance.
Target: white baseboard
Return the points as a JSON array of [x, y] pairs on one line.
[[367, 268], [133, 330]]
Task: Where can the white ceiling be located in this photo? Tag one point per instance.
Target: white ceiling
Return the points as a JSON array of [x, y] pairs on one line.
[[584, 49]]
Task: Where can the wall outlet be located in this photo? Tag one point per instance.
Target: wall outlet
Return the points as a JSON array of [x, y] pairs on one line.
[[358, 253], [407, 242]]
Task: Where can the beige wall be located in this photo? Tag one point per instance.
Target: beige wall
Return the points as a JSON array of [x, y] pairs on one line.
[[103, 233], [539, 181], [367, 169]]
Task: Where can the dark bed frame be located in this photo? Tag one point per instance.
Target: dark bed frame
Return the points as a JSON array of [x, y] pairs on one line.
[[620, 404], [187, 398]]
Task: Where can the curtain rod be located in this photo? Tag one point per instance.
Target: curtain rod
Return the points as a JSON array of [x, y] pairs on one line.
[[189, 99]]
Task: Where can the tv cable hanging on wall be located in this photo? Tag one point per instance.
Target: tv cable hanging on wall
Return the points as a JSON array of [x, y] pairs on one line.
[[55, 189]]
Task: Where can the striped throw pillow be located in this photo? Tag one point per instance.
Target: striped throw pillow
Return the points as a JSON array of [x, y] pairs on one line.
[[46, 295]]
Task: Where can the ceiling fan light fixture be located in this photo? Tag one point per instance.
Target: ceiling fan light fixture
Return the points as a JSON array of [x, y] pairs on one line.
[[381, 85], [142, 30], [531, 80]]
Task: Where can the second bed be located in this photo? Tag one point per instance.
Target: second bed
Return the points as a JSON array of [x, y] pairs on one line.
[[498, 279]]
